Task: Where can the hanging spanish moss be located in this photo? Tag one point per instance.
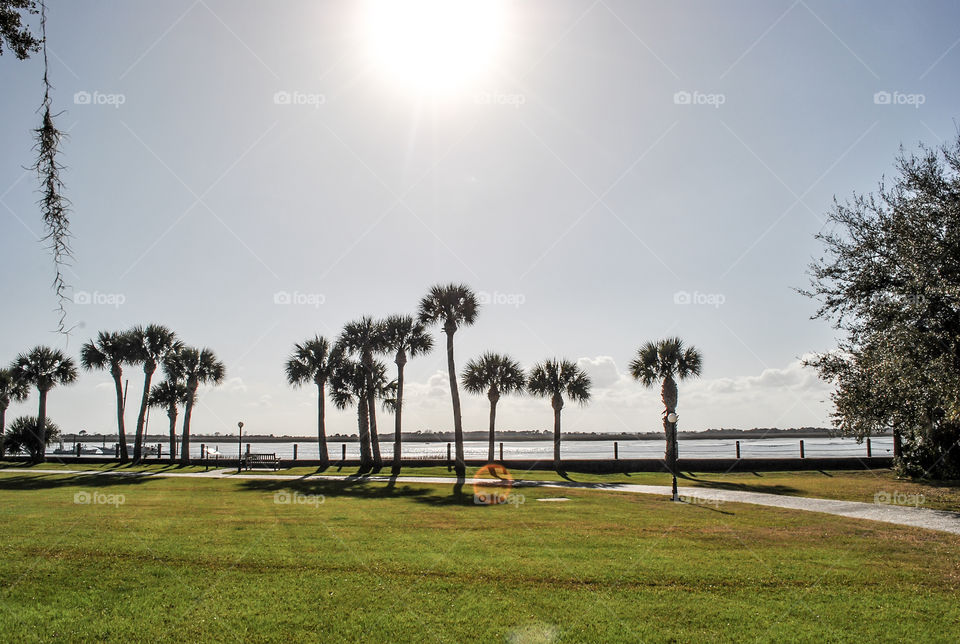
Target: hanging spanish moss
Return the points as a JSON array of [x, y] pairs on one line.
[[55, 208]]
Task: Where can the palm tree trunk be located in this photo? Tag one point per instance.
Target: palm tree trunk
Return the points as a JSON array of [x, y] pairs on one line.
[[141, 417], [374, 438], [556, 434], [121, 431], [321, 424], [363, 428], [397, 436], [172, 415], [493, 423], [187, 413], [372, 410], [40, 440], [668, 394], [668, 440], [3, 429], [459, 465]]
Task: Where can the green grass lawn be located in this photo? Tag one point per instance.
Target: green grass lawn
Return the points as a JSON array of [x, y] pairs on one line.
[[197, 559], [843, 485]]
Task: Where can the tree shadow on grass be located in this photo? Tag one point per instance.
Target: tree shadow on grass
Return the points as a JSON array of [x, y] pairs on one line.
[[54, 481], [710, 507], [358, 487], [749, 487]]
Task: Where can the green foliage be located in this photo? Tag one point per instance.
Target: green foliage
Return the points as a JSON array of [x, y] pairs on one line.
[[453, 305], [493, 374], [110, 351], [556, 378], [150, 345], [347, 383], [169, 394], [890, 280], [668, 358], [44, 368], [195, 367], [404, 336], [313, 360], [12, 389], [24, 435], [13, 34]]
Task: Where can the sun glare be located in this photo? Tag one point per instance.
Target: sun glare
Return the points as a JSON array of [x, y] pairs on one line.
[[433, 46]]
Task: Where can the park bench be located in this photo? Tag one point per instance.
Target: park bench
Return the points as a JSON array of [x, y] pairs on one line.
[[266, 460]]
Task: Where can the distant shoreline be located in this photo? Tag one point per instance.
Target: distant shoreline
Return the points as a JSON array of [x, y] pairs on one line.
[[505, 436]]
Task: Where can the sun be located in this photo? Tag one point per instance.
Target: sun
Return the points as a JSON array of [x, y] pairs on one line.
[[433, 46]]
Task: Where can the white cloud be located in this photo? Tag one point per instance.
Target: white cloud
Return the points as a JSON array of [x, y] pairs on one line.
[[602, 371], [235, 385]]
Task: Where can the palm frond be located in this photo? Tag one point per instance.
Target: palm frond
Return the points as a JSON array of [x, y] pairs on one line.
[[554, 377], [44, 367], [12, 388], [402, 332], [493, 370], [453, 304]]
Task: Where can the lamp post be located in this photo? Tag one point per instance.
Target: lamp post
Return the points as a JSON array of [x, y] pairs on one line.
[[239, 446], [672, 419]]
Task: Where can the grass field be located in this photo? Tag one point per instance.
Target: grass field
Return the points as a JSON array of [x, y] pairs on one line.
[[861, 486], [194, 559]]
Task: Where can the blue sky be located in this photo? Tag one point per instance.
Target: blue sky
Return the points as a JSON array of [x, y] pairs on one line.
[[617, 172]]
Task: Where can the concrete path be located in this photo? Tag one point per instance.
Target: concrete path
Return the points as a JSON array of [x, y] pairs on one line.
[[941, 520]]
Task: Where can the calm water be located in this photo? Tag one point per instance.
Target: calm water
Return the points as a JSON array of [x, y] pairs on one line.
[[705, 448]]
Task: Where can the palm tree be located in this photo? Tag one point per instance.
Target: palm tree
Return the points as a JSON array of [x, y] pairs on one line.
[[363, 338], [453, 305], [44, 368], [314, 360], [150, 346], [110, 351], [666, 361], [195, 367], [552, 379], [493, 374], [12, 389], [169, 394], [348, 386], [405, 337], [23, 432]]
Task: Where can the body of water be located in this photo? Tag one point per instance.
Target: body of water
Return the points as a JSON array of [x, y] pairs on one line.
[[779, 447]]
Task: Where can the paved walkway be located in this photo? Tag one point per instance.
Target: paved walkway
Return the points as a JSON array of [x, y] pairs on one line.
[[941, 520]]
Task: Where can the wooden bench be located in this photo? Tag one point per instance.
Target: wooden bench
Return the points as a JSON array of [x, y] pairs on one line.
[[266, 460]]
